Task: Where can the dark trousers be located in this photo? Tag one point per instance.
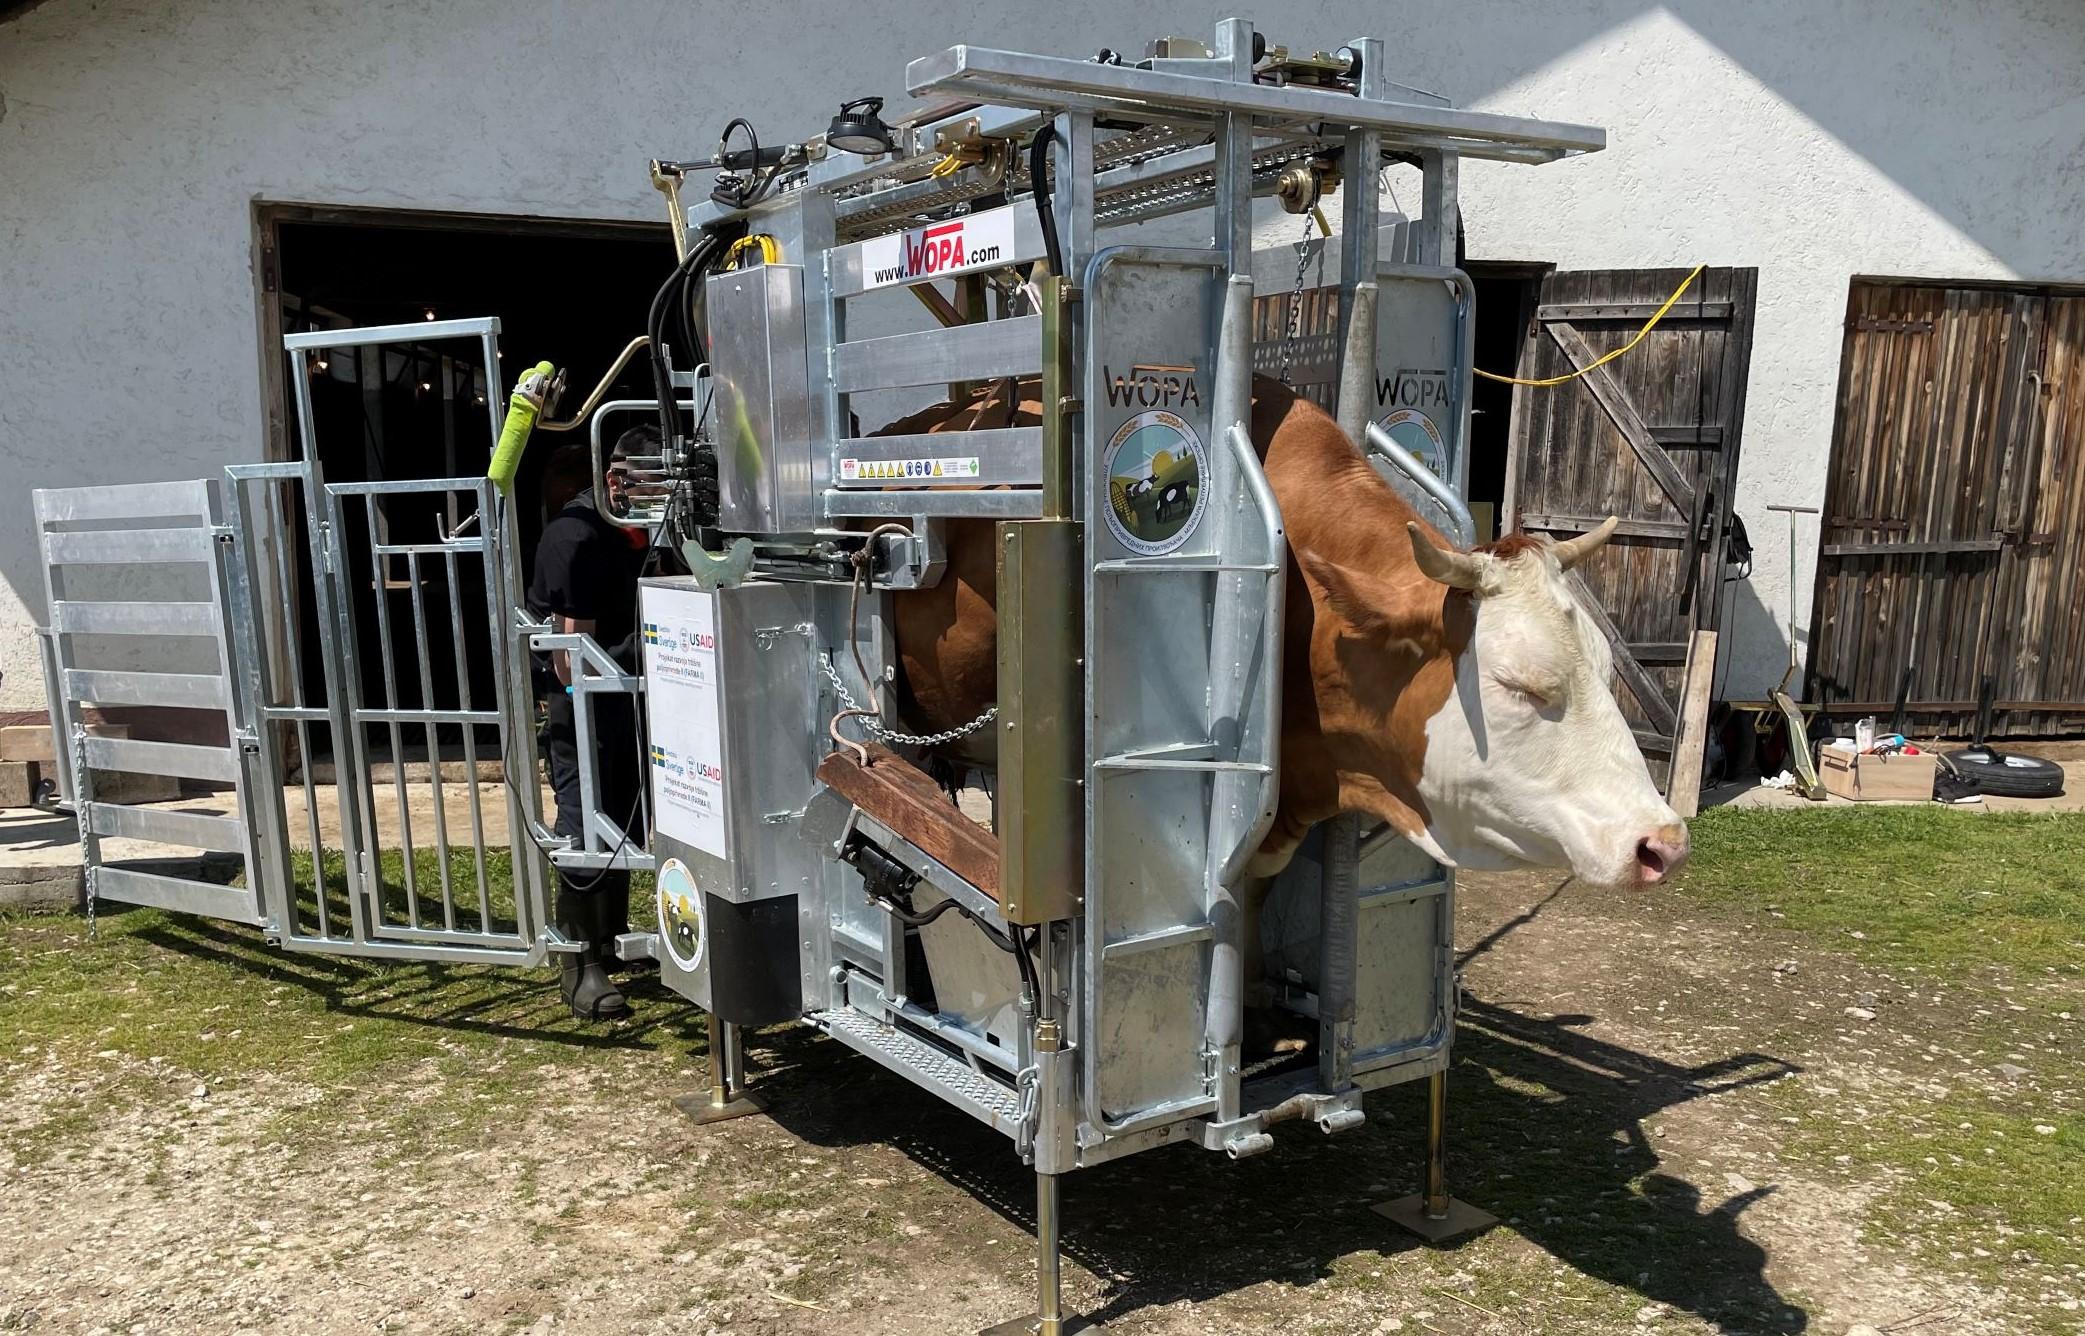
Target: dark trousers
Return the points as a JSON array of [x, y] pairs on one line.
[[618, 778]]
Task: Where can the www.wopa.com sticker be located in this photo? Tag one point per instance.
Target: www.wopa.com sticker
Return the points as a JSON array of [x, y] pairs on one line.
[[1156, 467]]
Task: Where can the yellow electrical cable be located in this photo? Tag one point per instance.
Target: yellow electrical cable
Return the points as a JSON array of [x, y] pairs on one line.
[[1648, 326], [770, 253], [1317, 211], [945, 166]]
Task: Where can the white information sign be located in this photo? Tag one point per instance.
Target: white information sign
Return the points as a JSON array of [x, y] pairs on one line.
[[686, 716], [975, 241]]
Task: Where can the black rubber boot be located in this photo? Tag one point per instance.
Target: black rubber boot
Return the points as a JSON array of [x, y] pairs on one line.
[[582, 977]]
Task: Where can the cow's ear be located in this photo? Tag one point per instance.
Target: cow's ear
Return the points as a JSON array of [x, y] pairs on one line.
[[1358, 597]]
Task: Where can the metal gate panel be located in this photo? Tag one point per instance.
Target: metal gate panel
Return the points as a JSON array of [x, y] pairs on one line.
[[1184, 552], [130, 571], [1424, 342]]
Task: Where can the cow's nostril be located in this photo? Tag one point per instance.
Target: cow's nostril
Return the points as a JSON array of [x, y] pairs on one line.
[[1650, 861]]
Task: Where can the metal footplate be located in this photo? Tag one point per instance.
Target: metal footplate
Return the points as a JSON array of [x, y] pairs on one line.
[[924, 1065]]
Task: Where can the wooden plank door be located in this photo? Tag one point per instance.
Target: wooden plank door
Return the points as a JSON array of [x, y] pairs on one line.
[[2043, 660], [1940, 556], [1651, 437]]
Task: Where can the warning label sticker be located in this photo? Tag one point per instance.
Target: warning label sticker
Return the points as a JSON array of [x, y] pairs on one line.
[[960, 468]]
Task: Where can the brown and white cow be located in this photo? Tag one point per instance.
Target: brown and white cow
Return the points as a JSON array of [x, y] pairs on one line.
[[1461, 697]]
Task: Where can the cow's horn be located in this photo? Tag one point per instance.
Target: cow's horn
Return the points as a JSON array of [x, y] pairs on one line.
[[1457, 570], [1574, 550]]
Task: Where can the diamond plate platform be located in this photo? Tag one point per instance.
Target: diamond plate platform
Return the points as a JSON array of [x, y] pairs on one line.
[[924, 1065]]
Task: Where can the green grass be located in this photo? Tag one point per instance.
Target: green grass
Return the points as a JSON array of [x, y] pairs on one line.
[[154, 1003], [1994, 903], [1948, 891]]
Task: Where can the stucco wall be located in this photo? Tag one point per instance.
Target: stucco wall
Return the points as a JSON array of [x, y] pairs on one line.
[[1815, 141]]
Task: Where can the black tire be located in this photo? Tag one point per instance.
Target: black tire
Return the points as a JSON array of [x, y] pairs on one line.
[[2005, 775]]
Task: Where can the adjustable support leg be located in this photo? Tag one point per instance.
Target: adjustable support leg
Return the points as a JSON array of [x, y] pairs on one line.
[[1052, 1086], [1434, 1215], [1049, 1318], [727, 1097]]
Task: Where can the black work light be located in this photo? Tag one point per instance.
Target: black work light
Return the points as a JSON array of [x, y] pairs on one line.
[[858, 128]]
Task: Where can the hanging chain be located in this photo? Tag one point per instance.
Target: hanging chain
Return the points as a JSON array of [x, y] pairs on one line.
[[878, 731], [80, 803], [1288, 342]]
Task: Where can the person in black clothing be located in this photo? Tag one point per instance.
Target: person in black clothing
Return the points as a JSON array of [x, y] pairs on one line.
[[585, 580]]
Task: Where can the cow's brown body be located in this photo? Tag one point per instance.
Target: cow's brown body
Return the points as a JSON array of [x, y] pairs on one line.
[[1351, 560]]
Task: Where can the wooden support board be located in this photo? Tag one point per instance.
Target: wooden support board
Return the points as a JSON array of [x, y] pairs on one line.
[[1683, 782], [906, 798]]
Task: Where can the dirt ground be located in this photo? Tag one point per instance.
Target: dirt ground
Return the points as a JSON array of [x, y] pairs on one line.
[[1677, 1116]]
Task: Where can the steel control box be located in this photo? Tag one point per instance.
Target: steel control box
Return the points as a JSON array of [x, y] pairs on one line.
[[732, 754]]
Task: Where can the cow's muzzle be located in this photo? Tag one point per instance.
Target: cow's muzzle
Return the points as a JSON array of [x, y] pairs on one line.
[[1661, 853]]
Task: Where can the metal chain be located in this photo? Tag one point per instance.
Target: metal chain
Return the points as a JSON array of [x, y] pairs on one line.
[[1288, 342], [878, 731], [80, 803]]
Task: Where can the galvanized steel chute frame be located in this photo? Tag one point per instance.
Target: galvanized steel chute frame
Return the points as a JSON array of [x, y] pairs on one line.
[[1090, 746]]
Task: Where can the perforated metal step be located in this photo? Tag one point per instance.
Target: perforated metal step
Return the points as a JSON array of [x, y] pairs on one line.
[[923, 1064]]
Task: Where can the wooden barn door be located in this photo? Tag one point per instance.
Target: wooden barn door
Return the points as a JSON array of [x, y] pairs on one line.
[[1651, 437], [1951, 551]]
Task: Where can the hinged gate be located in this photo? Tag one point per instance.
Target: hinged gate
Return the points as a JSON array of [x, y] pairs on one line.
[[400, 860]]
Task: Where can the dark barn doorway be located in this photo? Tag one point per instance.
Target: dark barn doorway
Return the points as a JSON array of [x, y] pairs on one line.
[[1507, 293], [570, 293]]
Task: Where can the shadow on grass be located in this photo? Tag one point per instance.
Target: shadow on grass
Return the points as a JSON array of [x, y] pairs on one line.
[[1546, 1130], [494, 1001]]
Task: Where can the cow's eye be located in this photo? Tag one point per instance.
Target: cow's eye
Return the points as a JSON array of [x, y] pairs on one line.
[[1530, 695]]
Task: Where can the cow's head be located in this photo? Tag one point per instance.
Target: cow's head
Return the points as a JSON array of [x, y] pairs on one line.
[[1484, 726]]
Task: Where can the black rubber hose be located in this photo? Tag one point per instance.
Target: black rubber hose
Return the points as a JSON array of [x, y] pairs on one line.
[[1039, 182], [698, 260]]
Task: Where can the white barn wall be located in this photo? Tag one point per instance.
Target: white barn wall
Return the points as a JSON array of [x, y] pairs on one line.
[[1920, 138]]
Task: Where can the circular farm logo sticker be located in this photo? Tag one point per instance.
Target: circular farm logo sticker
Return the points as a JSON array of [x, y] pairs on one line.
[[1416, 432], [1155, 466], [680, 914]]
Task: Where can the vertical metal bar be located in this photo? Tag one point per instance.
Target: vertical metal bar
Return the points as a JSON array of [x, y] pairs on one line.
[[378, 570], [1230, 405], [465, 700], [68, 723], [1359, 257], [337, 660], [260, 765], [825, 327], [583, 741], [1359, 252], [1436, 1205], [1438, 207], [499, 625], [1049, 1280], [1071, 200], [1339, 908], [54, 702], [434, 747], [721, 1038], [517, 741], [286, 602]]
